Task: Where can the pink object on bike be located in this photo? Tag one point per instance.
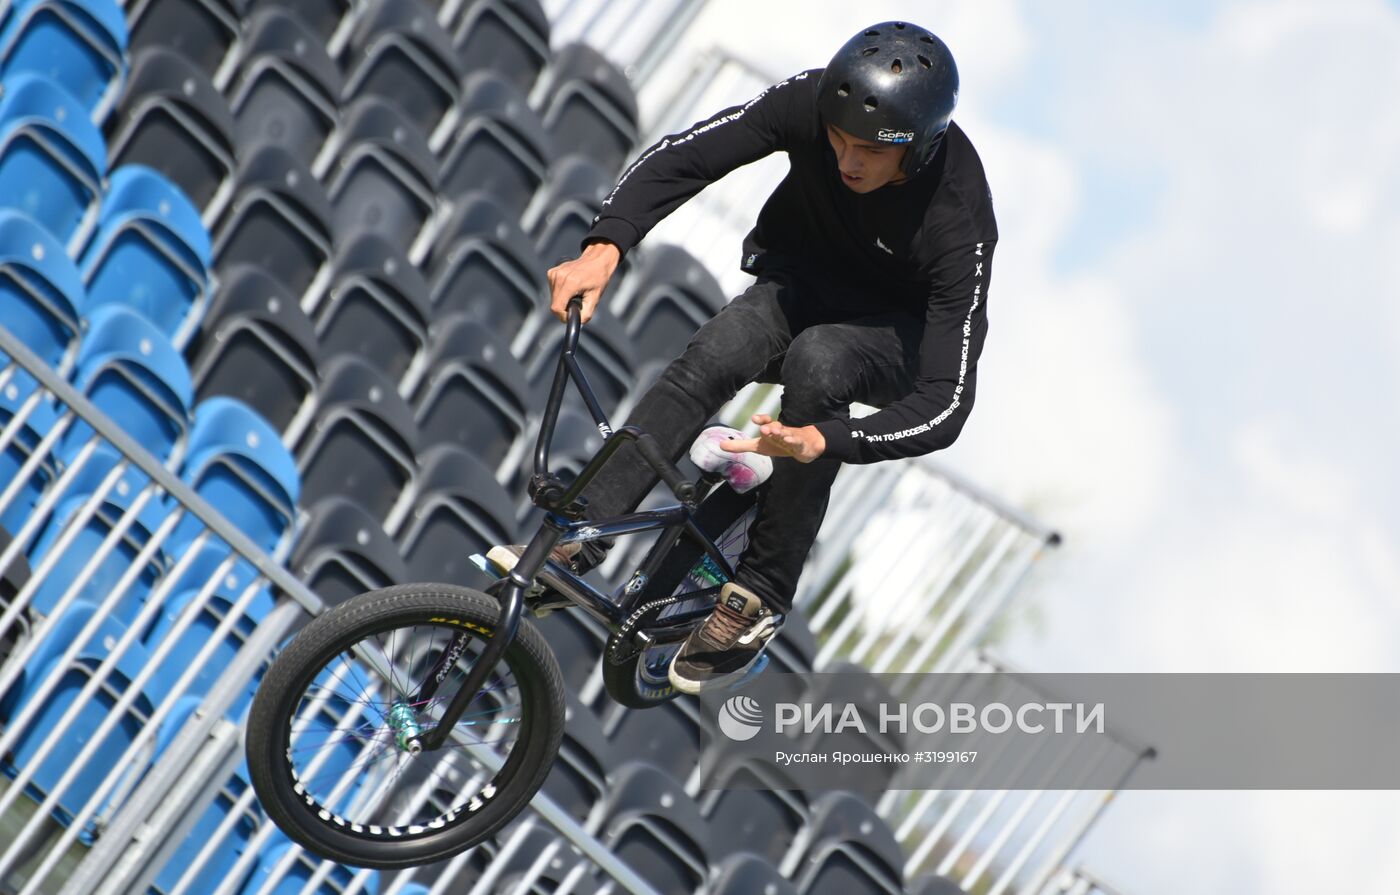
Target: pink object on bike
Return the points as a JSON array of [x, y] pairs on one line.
[[743, 472]]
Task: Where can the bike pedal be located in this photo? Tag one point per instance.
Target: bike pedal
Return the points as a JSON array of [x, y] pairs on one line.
[[754, 671]]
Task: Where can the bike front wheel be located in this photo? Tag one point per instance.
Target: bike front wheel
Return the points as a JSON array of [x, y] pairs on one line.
[[334, 732]]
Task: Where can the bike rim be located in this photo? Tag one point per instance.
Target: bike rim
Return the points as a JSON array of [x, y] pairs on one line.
[[349, 741]]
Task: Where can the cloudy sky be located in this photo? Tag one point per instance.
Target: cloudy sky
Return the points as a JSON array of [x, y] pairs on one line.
[[1193, 365]]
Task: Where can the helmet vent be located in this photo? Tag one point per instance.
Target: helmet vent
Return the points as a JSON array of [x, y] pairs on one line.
[[871, 103], [926, 39], [843, 90], [870, 51], [872, 33], [899, 26], [897, 66], [924, 61]]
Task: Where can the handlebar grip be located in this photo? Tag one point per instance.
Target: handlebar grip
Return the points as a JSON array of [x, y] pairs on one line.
[[683, 488]]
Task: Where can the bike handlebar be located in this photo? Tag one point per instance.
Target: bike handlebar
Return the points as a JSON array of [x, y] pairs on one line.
[[647, 446]]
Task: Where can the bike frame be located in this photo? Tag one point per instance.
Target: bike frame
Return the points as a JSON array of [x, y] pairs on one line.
[[563, 524]]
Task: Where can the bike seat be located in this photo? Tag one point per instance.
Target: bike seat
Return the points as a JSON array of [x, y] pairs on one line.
[[743, 472]]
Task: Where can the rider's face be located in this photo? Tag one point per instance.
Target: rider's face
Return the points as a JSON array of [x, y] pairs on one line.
[[865, 166]]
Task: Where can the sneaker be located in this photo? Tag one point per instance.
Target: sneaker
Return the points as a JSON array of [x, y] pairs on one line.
[[543, 595], [726, 646]]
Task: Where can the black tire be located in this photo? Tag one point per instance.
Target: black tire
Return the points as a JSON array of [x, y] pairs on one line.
[[368, 839], [639, 680]]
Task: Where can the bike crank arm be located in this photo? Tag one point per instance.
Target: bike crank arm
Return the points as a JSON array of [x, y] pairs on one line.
[[512, 599]]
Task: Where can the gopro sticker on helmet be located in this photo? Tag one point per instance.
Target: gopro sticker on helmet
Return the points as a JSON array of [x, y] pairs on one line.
[[886, 135]]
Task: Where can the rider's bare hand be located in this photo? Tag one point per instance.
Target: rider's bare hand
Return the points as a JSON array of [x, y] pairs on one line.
[[802, 443], [586, 275]]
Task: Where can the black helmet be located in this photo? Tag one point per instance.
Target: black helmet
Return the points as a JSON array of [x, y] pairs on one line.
[[892, 83]]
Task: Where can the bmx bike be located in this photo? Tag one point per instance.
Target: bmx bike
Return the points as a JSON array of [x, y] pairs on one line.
[[408, 724]]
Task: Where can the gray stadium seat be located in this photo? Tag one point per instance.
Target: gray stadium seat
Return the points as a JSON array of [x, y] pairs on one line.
[[670, 295], [565, 207], [847, 848], [501, 145], [204, 31], [510, 37], [747, 874], [588, 106], [343, 552], [652, 824], [459, 509], [485, 266]]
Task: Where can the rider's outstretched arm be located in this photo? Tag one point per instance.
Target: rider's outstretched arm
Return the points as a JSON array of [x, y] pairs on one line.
[[930, 417], [682, 164]]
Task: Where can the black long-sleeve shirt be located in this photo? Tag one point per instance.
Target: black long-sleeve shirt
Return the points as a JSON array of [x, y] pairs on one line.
[[925, 243]]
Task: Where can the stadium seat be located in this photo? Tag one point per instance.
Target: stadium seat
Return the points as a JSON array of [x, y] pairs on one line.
[[364, 441], [745, 873], [930, 884], [651, 824], [484, 265], [755, 807], [501, 145], [576, 439], [204, 31], [459, 509], [267, 879], [577, 642], [377, 307], [13, 577], [563, 210], [280, 221], [215, 870], [325, 18], [41, 291], [257, 345], [847, 848], [150, 253], [24, 444], [199, 633], [236, 461], [475, 392], [129, 369], [172, 119], [670, 295], [606, 356], [667, 736], [521, 865], [578, 780], [588, 105], [79, 45], [288, 89], [344, 552], [510, 37], [384, 179], [795, 648], [101, 586], [51, 158], [92, 712], [400, 53]]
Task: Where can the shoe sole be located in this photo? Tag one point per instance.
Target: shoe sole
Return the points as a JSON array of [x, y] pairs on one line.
[[695, 688]]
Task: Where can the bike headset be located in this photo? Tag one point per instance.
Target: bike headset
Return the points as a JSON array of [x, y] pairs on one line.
[[892, 83]]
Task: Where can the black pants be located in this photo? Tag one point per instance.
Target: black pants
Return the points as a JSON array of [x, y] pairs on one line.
[[786, 329]]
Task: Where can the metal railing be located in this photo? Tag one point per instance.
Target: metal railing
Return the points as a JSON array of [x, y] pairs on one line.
[[118, 750]]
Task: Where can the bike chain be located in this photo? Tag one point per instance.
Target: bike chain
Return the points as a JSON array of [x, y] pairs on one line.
[[623, 635]]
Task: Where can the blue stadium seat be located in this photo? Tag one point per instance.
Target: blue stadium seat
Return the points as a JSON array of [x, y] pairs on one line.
[[343, 552], [400, 53], [51, 158], [150, 253], [501, 146], [257, 345], [295, 879], [510, 37], [236, 461], [41, 292], [101, 586], [460, 509], [652, 825], [213, 871], [129, 369], [377, 307], [588, 104], [485, 266], [80, 45], [385, 177], [40, 421], [280, 221], [563, 210], [475, 392], [288, 89], [204, 31], [93, 712], [171, 118], [364, 441], [198, 634]]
